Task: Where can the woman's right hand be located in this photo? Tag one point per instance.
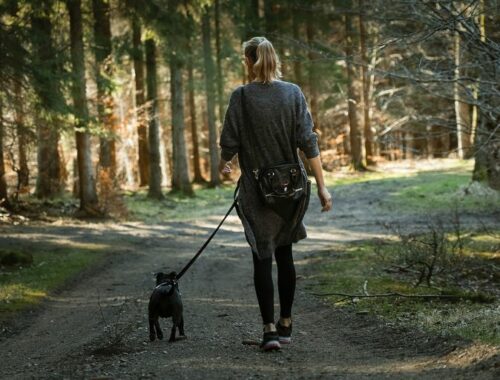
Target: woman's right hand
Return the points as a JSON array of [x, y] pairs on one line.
[[325, 198]]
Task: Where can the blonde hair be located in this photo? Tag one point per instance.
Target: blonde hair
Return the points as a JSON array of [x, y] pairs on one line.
[[266, 63]]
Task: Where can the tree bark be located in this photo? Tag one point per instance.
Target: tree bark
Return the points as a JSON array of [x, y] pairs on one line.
[[479, 172], [475, 92], [23, 172], [4, 199], [355, 136], [142, 131], [198, 178], [209, 89], [461, 109], [313, 74], [154, 122], [87, 188], [220, 79], [180, 175], [366, 87], [252, 19], [104, 72], [297, 65], [49, 181], [270, 17]]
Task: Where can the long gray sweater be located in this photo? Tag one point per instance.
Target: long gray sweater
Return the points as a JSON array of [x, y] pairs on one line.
[[278, 111]]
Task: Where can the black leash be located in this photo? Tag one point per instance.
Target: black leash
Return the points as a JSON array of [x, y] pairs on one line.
[[191, 262]]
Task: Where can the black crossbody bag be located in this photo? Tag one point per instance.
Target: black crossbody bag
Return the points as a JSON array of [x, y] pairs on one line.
[[279, 183]]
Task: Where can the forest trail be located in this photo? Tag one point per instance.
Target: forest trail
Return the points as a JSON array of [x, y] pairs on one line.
[[69, 337]]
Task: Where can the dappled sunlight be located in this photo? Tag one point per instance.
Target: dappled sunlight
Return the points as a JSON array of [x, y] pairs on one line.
[[96, 301], [223, 302], [20, 293]]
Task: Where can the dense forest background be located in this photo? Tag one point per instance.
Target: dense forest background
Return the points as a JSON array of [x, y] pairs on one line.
[[99, 96]]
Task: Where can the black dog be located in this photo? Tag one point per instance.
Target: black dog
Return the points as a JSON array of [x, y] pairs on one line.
[[165, 302]]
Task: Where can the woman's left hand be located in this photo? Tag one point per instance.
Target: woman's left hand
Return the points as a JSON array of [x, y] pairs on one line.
[[224, 167]]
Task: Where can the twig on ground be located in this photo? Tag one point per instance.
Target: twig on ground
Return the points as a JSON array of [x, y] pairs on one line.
[[439, 296], [365, 288]]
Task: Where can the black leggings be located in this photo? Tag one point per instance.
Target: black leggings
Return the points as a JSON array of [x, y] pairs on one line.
[[263, 282]]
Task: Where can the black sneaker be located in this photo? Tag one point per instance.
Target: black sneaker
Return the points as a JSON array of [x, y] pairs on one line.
[[270, 341], [284, 333]]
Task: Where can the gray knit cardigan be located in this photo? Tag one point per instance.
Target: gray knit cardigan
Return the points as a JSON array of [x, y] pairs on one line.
[[278, 111]]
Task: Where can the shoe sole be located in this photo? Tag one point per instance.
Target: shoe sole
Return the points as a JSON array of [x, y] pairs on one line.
[[285, 340], [272, 345]]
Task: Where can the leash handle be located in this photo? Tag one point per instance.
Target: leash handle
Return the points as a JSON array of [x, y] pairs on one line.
[[184, 270]]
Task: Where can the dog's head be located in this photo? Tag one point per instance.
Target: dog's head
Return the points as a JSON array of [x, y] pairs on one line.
[[162, 278]]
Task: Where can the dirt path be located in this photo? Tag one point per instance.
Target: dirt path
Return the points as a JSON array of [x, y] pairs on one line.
[[70, 336]]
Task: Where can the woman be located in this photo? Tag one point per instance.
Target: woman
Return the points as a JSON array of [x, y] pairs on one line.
[[276, 114]]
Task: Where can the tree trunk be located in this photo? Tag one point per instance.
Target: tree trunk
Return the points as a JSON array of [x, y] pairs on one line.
[[87, 188], [49, 181], [313, 74], [297, 65], [23, 172], [251, 19], [220, 79], [4, 199], [270, 17], [104, 72], [479, 172], [366, 87], [142, 131], [180, 175], [475, 92], [198, 178], [355, 136], [408, 145], [154, 122], [210, 93], [461, 108]]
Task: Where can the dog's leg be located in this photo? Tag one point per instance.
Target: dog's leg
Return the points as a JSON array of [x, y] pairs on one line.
[[152, 322], [181, 327], [159, 333], [172, 333]]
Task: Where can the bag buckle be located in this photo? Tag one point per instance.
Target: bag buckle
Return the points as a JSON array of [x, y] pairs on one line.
[[256, 173]]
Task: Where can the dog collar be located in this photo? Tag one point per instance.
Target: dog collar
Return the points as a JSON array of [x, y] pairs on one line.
[[164, 283]]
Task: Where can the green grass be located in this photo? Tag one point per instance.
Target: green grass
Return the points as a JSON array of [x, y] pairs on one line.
[[24, 287], [346, 269], [436, 191], [179, 207], [419, 192]]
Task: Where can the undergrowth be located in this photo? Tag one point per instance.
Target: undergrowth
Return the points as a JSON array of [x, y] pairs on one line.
[[472, 311], [23, 287]]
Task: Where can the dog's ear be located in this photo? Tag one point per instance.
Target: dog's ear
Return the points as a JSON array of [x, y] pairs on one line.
[[172, 275]]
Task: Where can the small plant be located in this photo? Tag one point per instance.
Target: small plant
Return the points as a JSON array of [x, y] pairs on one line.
[[15, 259], [432, 253], [116, 331]]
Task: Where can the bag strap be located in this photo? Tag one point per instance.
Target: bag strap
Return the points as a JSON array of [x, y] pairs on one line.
[[250, 134]]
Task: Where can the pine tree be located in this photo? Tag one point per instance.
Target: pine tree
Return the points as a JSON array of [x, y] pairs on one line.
[[87, 186]]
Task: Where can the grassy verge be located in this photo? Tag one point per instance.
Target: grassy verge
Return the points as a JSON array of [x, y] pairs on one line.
[[24, 287], [422, 191], [178, 207], [359, 267]]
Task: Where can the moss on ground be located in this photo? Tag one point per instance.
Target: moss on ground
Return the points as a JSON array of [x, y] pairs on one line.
[[23, 287], [358, 267]]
